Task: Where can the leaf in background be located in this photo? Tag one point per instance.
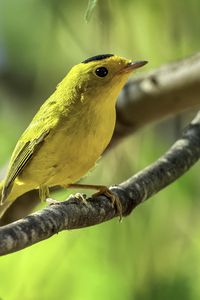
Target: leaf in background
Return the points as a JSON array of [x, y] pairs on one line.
[[91, 6]]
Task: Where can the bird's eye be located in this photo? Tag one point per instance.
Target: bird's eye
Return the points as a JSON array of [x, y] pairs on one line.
[[101, 72]]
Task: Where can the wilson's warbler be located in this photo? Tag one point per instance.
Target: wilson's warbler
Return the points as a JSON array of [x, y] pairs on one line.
[[70, 131]]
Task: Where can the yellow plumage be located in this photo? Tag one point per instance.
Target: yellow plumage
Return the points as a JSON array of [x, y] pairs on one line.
[[70, 131]]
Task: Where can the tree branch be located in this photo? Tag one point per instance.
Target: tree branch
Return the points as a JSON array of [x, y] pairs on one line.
[[72, 214], [165, 91]]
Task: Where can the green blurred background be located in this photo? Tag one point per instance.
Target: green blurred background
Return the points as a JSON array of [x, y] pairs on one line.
[[155, 252]]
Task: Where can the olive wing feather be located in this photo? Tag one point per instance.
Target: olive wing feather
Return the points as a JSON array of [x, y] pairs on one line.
[[21, 156]]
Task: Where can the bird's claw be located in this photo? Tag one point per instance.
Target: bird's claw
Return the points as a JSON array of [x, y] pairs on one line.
[[113, 197], [80, 197]]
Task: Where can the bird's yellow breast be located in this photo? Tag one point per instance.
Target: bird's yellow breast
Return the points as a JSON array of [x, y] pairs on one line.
[[74, 145]]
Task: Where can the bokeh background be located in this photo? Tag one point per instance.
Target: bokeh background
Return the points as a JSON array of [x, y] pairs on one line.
[[155, 252]]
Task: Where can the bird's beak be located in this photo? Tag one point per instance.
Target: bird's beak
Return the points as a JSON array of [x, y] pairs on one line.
[[133, 65]]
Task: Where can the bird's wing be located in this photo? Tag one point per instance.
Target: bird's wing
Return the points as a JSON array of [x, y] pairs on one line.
[[22, 154]]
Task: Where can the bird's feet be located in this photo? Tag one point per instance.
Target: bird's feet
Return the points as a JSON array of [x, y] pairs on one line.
[[80, 197], [104, 190]]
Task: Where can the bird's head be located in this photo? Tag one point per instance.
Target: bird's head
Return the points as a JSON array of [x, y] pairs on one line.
[[103, 74]]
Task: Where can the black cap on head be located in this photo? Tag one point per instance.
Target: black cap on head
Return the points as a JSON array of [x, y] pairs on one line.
[[97, 57]]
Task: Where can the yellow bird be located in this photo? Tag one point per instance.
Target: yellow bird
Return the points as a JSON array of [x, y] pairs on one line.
[[70, 131]]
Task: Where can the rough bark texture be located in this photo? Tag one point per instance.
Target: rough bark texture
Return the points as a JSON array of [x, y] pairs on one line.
[[72, 214]]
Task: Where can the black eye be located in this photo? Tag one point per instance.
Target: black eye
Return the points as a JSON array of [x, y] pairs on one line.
[[101, 72]]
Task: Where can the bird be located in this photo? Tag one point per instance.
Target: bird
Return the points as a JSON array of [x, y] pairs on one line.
[[70, 131]]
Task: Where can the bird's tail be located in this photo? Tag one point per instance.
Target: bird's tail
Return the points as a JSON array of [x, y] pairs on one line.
[[17, 190]]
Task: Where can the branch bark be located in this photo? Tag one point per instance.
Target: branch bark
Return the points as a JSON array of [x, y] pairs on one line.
[[72, 214], [168, 90]]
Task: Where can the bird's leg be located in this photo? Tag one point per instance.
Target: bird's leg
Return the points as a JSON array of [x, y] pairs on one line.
[[44, 195], [102, 190], [43, 192]]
